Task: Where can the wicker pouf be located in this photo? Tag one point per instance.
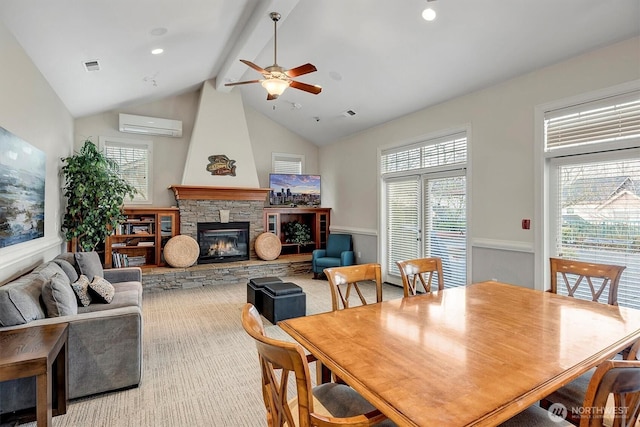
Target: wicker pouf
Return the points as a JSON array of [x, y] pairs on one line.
[[268, 246], [181, 251]]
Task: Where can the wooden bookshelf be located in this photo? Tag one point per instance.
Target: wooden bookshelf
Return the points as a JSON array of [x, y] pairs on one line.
[[318, 220], [140, 239]]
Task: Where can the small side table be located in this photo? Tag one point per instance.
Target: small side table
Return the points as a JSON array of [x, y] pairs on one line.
[[39, 351]]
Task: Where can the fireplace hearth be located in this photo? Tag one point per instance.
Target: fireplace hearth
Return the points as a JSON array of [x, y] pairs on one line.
[[223, 242]]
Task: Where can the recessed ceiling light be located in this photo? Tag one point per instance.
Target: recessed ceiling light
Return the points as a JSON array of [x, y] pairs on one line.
[[157, 51], [429, 14]]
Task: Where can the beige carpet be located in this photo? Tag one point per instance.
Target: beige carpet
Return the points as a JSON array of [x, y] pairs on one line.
[[200, 367]]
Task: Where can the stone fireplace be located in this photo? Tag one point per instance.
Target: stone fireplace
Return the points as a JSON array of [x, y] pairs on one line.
[[202, 204]]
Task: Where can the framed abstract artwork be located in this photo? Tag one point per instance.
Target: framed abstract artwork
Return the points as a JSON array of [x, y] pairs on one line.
[[22, 180]]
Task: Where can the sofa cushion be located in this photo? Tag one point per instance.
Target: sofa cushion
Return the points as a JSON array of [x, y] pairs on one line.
[[126, 298], [20, 300], [89, 264], [58, 297], [102, 289], [68, 269], [50, 269], [81, 289]]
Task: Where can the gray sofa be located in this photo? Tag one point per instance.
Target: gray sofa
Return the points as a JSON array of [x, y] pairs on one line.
[[105, 339]]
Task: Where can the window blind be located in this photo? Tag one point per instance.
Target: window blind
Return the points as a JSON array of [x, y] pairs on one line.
[[445, 210], [611, 119], [598, 219], [287, 163], [402, 221], [438, 152], [133, 162]]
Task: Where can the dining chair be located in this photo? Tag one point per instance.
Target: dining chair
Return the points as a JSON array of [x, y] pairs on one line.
[[574, 393], [348, 277], [414, 270], [328, 404], [619, 378], [597, 276]]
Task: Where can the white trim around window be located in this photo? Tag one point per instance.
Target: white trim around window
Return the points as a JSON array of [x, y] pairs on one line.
[[542, 192], [136, 156], [287, 163]]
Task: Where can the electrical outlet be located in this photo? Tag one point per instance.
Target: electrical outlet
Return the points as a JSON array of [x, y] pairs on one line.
[[359, 254]]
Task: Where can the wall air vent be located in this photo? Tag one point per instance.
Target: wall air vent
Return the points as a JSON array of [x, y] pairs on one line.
[[150, 125], [92, 65], [349, 113]]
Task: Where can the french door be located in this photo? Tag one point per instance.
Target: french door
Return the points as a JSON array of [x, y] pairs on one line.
[[426, 216]]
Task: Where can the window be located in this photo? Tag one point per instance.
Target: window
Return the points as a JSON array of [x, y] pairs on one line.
[[287, 163], [425, 207], [134, 160], [594, 186]]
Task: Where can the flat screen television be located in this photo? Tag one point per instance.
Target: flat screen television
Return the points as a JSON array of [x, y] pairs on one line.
[[294, 190]]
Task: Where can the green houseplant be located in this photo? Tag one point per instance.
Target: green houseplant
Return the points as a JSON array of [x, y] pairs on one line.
[[95, 194], [296, 232]]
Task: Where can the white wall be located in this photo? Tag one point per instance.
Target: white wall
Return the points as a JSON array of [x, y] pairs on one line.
[[502, 147], [269, 137], [30, 109], [169, 154]]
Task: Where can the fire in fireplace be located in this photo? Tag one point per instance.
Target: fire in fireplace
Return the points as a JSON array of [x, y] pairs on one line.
[[223, 242]]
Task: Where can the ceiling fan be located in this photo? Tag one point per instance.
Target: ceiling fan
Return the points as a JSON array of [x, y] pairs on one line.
[[277, 79]]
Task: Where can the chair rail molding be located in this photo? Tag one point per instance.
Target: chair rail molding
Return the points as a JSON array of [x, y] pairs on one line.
[[505, 245], [353, 230]]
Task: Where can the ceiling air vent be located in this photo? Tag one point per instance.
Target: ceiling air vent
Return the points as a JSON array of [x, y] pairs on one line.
[[92, 65], [349, 113]]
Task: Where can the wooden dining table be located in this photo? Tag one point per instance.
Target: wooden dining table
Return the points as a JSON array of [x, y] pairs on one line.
[[472, 355]]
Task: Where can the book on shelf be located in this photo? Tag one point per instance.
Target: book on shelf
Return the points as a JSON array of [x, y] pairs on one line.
[[146, 243], [120, 260], [134, 228]]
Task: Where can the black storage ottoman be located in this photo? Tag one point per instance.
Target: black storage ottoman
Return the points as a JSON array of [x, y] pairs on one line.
[[282, 301], [255, 287]]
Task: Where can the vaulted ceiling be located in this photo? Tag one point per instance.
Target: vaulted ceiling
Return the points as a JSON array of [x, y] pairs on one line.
[[379, 59]]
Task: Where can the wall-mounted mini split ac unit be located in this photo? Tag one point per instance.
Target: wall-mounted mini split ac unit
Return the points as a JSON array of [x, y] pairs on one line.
[[150, 125]]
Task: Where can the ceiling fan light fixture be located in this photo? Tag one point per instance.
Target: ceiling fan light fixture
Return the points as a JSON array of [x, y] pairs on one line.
[[275, 87]]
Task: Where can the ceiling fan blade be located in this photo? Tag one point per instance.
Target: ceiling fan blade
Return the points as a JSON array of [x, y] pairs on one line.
[[306, 87], [242, 83], [254, 66], [303, 69]]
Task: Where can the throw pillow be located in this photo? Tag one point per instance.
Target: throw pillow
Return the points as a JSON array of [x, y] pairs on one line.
[[89, 264], [20, 300], [103, 289], [58, 297], [68, 269], [81, 288]]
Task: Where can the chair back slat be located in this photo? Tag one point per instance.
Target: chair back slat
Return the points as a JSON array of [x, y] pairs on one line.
[[343, 279], [575, 273], [414, 270], [620, 378]]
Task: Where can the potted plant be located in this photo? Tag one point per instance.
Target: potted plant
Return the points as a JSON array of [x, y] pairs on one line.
[[95, 194], [297, 232]]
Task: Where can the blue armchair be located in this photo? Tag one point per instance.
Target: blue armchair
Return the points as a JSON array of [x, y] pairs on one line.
[[339, 252]]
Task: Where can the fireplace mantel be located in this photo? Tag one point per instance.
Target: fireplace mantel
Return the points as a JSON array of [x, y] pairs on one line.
[[203, 192]]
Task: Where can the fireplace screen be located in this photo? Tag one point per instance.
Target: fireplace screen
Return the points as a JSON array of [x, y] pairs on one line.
[[223, 242]]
